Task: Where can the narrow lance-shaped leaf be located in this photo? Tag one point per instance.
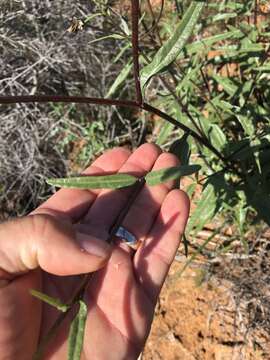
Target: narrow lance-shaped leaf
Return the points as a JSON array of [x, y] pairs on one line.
[[172, 48], [120, 79], [172, 173], [114, 181], [205, 210], [112, 36], [217, 137], [181, 149], [49, 300], [207, 42], [76, 333], [164, 133]]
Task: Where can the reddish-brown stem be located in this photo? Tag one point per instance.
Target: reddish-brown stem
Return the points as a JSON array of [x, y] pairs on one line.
[[135, 49], [125, 103], [155, 21], [256, 13], [64, 99], [179, 125]]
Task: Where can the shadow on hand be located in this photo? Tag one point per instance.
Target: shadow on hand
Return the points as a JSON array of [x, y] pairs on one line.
[[132, 292]]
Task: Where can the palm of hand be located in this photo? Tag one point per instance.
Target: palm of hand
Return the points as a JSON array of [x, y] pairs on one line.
[[121, 296]]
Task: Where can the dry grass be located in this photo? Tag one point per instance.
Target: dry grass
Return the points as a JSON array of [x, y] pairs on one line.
[[39, 56]]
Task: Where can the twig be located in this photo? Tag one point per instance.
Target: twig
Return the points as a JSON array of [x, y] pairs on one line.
[[196, 136], [124, 103], [65, 99], [135, 50], [155, 21]]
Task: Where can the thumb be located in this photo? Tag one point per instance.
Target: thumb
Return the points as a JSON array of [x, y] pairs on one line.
[[44, 241]]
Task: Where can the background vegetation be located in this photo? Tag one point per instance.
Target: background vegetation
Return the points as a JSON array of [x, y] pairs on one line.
[[217, 86]]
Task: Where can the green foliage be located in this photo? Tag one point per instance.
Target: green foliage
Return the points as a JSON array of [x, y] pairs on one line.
[[49, 300], [221, 90], [181, 149], [120, 79], [114, 181], [76, 334], [161, 176], [117, 181], [172, 48]]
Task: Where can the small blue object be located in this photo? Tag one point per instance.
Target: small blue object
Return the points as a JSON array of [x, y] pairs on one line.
[[126, 236]]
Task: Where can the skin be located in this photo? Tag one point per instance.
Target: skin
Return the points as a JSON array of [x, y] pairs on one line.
[[43, 251]]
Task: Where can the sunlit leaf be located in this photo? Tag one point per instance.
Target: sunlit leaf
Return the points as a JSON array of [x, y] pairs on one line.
[[172, 173], [119, 79], [164, 133], [247, 124], [114, 181], [76, 334], [171, 49], [205, 210], [205, 43], [217, 137], [229, 87], [49, 300]]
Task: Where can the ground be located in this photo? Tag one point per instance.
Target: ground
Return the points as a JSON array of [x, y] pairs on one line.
[[203, 322]]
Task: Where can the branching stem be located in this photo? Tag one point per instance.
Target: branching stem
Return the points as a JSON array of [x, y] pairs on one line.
[[135, 49]]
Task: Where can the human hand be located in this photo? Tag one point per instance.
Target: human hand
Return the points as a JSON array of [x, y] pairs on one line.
[[43, 251]]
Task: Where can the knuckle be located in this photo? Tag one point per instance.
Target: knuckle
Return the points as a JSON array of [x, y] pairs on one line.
[[42, 225]]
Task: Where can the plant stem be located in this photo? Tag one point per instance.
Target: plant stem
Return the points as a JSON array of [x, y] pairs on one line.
[[196, 136], [65, 99], [155, 21], [135, 49], [124, 103]]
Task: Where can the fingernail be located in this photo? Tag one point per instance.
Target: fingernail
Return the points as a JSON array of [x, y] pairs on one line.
[[93, 245]]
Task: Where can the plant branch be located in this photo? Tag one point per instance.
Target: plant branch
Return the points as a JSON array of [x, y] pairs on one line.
[[196, 136], [135, 49], [155, 21], [124, 103], [65, 99], [182, 106]]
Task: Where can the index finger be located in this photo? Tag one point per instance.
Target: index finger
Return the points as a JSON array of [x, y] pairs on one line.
[[74, 203]]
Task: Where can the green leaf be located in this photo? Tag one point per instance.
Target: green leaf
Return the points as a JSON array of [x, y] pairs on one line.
[[172, 48], [112, 36], [124, 26], [229, 87], [205, 210], [49, 300], [225, 16], [247, 124], [181, 149], [172, 173], [114, 181], [76, 333], [205, 43], [165, 132], [91, 17], [264, 68], [217, 137], [120, 79]]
